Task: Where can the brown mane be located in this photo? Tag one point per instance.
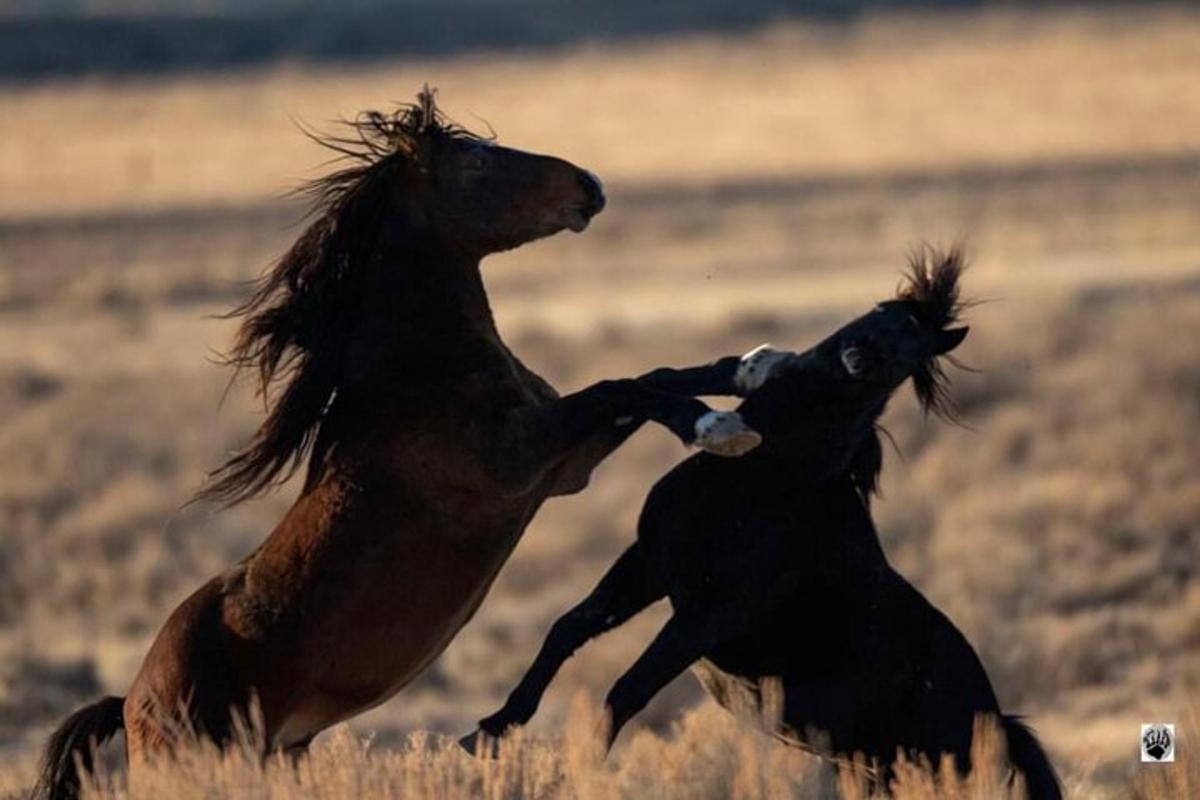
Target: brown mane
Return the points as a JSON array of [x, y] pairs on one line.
[[302, 313]]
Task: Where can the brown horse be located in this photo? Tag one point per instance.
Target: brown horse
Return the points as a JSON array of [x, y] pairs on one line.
[[429, 446]]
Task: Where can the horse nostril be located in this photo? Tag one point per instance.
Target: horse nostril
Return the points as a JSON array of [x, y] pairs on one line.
[[594, 190]]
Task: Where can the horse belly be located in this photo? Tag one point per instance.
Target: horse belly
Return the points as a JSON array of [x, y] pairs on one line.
[[823, 716], [397, 624], [377, 653]]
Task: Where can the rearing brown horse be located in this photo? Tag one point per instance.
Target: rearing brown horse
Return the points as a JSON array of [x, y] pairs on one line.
[[429, 446]]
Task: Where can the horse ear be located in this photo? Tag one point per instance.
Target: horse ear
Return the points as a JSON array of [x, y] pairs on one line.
[[947, 340]]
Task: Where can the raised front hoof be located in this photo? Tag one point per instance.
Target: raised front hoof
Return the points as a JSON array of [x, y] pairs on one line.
[[725, 433], [757, 367], [481, 745]]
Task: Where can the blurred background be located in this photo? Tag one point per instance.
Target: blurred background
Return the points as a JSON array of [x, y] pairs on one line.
[[769, 165]]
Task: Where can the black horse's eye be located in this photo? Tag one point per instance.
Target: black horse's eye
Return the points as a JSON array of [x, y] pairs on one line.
[[916, 323]]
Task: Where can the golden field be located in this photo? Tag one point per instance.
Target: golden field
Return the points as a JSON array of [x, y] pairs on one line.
[[763, 187]]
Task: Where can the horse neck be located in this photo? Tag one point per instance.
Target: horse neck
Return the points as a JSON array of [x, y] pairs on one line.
[[429, 304], [812, 428], [425, 320]]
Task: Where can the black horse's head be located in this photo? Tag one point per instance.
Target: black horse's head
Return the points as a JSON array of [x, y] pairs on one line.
[[902, 338], [843, 384]]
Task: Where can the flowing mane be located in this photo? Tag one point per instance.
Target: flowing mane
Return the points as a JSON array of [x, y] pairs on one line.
[[932, 289], [304, 310]]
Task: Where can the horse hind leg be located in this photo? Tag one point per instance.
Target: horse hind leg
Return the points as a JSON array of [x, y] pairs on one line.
[[188, 686]]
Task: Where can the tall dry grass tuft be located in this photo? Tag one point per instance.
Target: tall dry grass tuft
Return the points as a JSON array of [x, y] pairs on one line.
[[990, 778], [708, 754]]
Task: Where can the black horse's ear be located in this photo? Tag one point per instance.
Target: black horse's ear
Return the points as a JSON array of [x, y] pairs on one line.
[[949, 339]]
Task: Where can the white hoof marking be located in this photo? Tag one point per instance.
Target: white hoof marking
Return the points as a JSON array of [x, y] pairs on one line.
[[725, 434], [758, 366]]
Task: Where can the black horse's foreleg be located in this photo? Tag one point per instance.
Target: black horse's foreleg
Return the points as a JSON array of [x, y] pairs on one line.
[[296, 751], [735, 376], [683, 640], [692, 633], [627, 588], [714, 380]]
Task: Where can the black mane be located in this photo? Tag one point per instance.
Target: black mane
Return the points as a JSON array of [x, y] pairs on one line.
[[932, 289]]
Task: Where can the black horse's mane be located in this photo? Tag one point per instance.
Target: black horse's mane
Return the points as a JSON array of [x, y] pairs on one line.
[[932, 290], [302, 313]]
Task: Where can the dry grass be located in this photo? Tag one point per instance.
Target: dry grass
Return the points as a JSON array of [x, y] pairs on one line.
[[764, 187], [707, 754]]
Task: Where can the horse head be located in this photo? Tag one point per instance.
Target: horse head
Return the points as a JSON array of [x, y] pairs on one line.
[[417, 202], [463, 188], [904, 337], [819, 410]]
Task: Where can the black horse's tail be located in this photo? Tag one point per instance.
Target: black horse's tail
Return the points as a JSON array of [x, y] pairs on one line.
[[1026, 754], [87, 728]]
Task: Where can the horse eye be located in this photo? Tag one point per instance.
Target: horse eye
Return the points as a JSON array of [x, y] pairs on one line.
[[915, 322]]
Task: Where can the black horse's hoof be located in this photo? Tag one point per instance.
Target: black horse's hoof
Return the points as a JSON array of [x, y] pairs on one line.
[[479, 744], [725, 434], [756, 368]]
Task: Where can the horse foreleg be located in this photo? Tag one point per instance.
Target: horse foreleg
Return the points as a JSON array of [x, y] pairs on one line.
[[729, 376], [693, 632], [534, 440], [575, 471], [735, 376], [685, 639], [627, 588]]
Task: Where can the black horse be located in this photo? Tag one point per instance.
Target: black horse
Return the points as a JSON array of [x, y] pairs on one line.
[[774, 568]]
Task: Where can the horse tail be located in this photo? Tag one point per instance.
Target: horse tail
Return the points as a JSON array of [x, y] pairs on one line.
[[80, 733], [1026, 754]]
